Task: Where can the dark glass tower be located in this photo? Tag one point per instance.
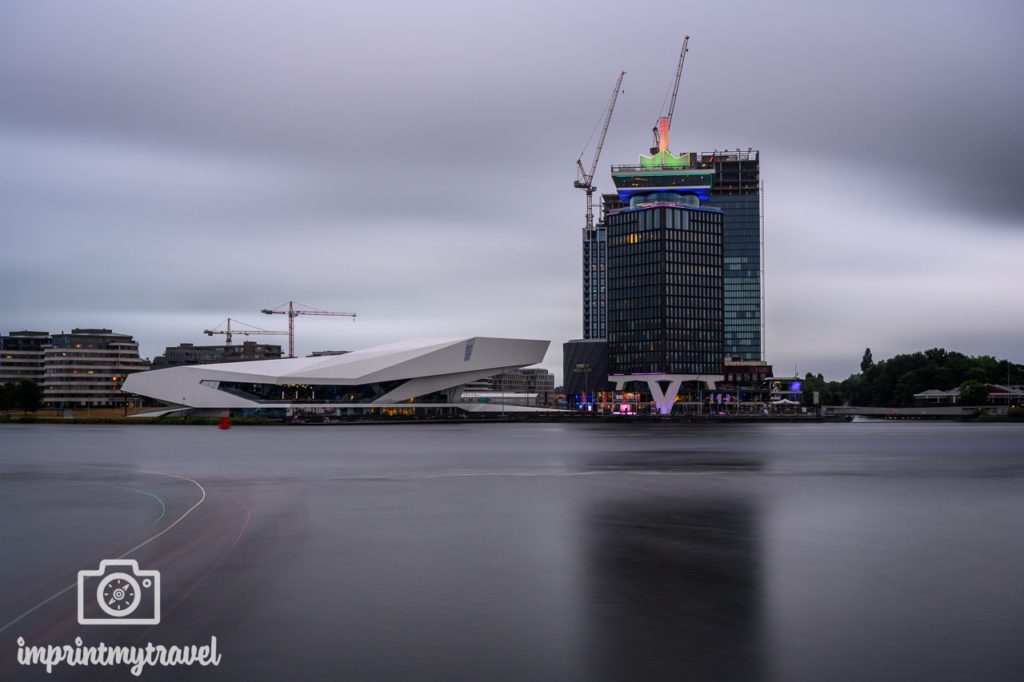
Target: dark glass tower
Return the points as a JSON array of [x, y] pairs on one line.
[[595, 285], [665, 250], [595, 272], [737, 192], [665, 289]]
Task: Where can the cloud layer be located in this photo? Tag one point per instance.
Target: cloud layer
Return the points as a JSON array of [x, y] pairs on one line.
[[168, 166]]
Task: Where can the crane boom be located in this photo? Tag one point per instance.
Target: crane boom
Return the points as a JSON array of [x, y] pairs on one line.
[[665, 122], [292, 312], [586, 180], [251, 331], [604, 129]]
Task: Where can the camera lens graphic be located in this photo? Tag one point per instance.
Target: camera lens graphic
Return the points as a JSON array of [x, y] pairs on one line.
[[118, 594]]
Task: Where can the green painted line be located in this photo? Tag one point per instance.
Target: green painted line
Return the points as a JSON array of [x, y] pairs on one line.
[[163, 507]]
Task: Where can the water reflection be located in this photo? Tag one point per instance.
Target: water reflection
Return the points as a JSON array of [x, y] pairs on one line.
[[675, 588]]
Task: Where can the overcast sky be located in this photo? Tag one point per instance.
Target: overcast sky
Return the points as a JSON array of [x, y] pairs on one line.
[[166, 165]]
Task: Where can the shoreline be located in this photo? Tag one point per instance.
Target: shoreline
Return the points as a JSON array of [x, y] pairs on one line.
[[542, 419]]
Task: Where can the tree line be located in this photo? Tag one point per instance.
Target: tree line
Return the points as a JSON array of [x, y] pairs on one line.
[[25, 395], [893, 382]]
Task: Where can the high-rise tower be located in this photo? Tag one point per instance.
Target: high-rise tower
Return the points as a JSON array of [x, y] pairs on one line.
[[595, 284], [737, 192], [665, 258]]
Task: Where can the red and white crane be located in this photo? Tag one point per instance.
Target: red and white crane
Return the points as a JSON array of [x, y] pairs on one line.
[[661, 128], [292, 312], [586, 178]]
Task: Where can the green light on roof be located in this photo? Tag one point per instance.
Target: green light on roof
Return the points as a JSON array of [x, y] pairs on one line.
[[665, 159]]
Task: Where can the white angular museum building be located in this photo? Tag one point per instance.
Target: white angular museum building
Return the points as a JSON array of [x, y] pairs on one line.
[[420, 373]]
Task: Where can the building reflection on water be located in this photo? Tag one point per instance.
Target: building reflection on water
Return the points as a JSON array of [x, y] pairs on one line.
[[674, 586]]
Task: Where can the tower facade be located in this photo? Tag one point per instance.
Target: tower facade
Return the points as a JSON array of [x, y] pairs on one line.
[[737, 192], [595, 284], [665, 290], [665, 276]]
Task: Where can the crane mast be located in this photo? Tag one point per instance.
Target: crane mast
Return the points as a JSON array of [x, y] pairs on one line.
[[661, 129], [586, 179], [292, 312]]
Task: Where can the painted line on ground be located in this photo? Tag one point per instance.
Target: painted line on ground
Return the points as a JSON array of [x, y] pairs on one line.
[[163, 507], [133, 549]]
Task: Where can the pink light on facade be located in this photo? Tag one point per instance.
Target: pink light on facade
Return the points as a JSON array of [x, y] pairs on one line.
[[663, 124]]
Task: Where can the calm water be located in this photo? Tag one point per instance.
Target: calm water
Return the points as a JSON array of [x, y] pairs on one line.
[[863, 551]]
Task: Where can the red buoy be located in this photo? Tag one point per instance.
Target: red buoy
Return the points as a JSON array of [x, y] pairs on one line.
[[225, 422]]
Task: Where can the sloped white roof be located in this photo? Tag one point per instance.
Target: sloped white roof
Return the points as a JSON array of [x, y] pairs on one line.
[[424, 366], [349, 365]]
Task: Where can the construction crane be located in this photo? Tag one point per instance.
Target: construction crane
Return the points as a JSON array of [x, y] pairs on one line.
[[586, 179], [661, 128], [292, 312], [251, 330]]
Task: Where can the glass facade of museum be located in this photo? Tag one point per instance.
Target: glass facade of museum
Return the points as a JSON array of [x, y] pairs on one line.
[[331, 394]]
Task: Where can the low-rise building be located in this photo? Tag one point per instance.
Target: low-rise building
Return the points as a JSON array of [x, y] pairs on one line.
[[23, 356], [935, 396], [188, 354], [998, 394], [585, 375], [746, 388], [87, 367], [534, 386], [785, 393]]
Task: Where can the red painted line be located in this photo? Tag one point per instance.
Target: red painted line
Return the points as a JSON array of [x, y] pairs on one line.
[[69, 617], [127, 552], [197, 583], [248, 518]]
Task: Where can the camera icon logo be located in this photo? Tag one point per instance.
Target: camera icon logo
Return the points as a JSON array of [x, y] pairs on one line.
[[124, 594]]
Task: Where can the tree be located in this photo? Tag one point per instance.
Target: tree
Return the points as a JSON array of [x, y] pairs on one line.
[[866, 362], [6, 397], [894, 382], [28, 395], [972, 392]]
